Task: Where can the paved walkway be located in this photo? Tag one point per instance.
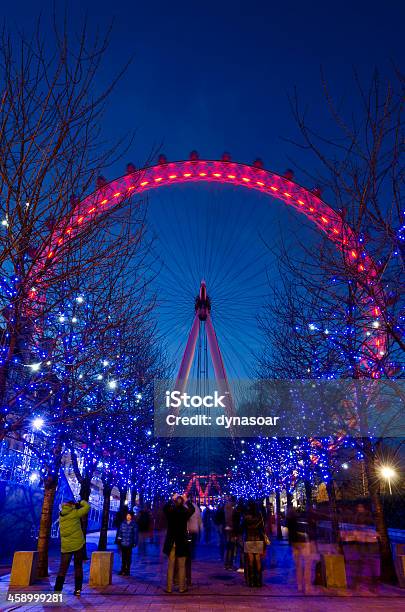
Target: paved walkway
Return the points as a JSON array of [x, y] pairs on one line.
[[213, 588]]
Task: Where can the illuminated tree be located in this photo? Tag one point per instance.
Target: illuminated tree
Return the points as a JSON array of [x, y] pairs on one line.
[[82, 375], [52, 152], [327, 341], [55, 306], [360, 172]]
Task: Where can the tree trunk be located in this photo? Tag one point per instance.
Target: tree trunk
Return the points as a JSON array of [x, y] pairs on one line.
[[335, 532], [278, 515], [387, 571], [45, 525], [102, 543], [308, 494], [50, 484], [4, 369], [289, 498], [85, 490], [123, 497], [133, 497]]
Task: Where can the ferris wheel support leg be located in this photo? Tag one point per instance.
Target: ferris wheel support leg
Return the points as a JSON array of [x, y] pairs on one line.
[[188, 356], [218, 365]]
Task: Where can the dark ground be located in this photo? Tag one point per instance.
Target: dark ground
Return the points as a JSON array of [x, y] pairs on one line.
[[213, 587]]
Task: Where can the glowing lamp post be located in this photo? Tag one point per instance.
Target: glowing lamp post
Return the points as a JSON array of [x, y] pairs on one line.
[[388, 473]]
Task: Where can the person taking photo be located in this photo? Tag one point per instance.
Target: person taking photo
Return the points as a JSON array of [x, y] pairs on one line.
[[72, 542]]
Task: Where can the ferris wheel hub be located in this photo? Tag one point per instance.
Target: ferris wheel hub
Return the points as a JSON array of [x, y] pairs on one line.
[[202, 303]]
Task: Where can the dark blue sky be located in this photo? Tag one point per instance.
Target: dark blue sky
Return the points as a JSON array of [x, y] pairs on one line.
[[216, 76]]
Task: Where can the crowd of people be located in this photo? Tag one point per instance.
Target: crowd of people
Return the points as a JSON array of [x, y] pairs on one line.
[[243, 531]]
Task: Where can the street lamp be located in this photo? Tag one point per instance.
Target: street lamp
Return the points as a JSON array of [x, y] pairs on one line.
[[388, 473]]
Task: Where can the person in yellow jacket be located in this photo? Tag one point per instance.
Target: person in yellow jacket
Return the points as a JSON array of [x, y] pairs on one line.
[[72, 542]]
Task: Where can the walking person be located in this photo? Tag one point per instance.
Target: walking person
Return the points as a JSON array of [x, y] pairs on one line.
[[270, 520], [161, 524], [254, 546], [206, 519], [194, 526], [72, 542], [177, 511], [230, 538], [303, 552], [145, 527], [238, 532], [219, 522], [127, 538]]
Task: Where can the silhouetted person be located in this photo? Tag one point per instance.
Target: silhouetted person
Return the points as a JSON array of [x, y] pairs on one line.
[[206, 519], [303, 551], [219, 522], [176, 545], [238, 531], [145, 525], [254, 546], [194, 526], [230, 538]]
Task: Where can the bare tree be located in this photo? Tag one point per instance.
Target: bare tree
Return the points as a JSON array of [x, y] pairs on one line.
[[322, 336], [51, 153], [96, 317], [361, 173]]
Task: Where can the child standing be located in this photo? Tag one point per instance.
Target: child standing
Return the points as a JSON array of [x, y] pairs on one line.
[[127, 539]]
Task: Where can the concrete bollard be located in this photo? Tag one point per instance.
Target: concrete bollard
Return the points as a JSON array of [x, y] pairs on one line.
[[101, 568], [24, 568], [334, 571]]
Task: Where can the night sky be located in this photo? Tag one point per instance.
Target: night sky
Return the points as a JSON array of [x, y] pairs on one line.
[[216, 76]]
